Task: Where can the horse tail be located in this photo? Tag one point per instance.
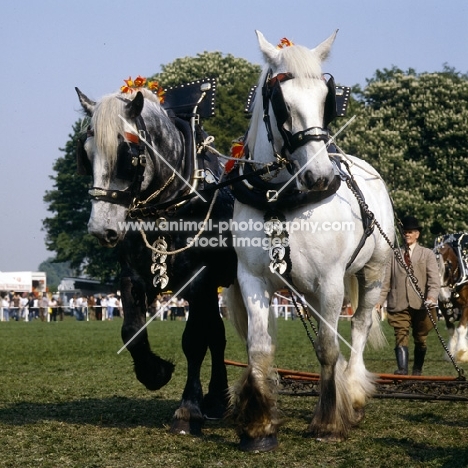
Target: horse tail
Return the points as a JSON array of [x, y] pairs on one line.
[[376, 337], [352, 290], [236, 309]]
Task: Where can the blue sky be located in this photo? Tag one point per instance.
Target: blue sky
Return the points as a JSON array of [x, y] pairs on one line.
[[51, 46]]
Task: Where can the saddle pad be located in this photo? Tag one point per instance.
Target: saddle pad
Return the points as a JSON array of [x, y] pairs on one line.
[[182, 99]]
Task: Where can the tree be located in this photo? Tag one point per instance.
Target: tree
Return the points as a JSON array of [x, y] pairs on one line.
[[235, 77], [412, 128], [69, 202], [55, 272]]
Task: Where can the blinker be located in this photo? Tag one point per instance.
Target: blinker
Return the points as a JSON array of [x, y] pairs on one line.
[[330, 113], [83, 164], [129, 157]]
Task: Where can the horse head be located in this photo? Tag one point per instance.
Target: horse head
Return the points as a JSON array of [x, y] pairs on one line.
[[299, 102], [448, 270], [118, 152]]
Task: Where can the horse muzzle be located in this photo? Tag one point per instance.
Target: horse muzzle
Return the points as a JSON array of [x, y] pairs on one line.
[[107, 237], [308, 182], [104, 225]]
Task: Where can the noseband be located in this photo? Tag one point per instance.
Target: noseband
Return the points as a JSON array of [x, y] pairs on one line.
[[272, 93]]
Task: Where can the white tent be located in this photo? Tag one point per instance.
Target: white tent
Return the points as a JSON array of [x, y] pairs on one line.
[[22, 281]]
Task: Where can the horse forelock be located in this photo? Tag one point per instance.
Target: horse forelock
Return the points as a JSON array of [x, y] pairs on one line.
[[107, 124], [298, 60], [302, 62]]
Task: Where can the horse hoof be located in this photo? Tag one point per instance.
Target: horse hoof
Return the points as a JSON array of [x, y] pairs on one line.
[[182, 427], [258, 444]]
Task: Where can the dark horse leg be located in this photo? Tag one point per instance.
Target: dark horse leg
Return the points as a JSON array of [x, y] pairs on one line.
[[151, 370], [204, 330]]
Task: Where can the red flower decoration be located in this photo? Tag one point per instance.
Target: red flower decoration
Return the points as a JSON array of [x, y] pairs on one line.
[[285, 42], [141, 82]]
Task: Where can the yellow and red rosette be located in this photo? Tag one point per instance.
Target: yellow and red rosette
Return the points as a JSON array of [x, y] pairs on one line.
[[237, 151]]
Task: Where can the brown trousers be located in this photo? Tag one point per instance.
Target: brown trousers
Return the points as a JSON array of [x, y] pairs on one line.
[[417, 319]]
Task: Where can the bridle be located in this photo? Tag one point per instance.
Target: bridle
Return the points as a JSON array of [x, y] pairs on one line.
[[137, 163], [130, 166], [272, 94], [451, 272]]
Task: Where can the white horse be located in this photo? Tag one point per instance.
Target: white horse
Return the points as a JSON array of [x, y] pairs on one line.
[[313, 228]]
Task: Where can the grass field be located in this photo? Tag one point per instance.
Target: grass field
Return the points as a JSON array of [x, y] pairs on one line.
[[67, 399]]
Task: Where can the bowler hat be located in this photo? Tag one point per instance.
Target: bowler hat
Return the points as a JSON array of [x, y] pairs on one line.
[[410, 223]]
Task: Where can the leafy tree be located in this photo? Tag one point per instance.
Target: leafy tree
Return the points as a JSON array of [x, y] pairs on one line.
[[235, 76], [412, 128], [55, 272]]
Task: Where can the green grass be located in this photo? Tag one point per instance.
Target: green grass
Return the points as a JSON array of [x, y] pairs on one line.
[[67, 399]]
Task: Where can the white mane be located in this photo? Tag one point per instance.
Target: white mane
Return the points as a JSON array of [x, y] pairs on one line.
[[304, 65], [108, 125]]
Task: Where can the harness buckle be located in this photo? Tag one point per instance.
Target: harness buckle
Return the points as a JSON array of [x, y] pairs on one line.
[[271, 195], [97, 192]]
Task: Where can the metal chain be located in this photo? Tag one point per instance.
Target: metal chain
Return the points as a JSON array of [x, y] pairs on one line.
[[303, 320], [195, 238], [137, 204], [409, 272]]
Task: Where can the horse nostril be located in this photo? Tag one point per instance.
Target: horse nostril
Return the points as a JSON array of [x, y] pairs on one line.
[[111, 236], [308, 179], [320, 184], [310, 183]]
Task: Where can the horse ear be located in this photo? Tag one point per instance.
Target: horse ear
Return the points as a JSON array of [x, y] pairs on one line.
[[323, 49], [135, 106], [86, 103], [269, 51]]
